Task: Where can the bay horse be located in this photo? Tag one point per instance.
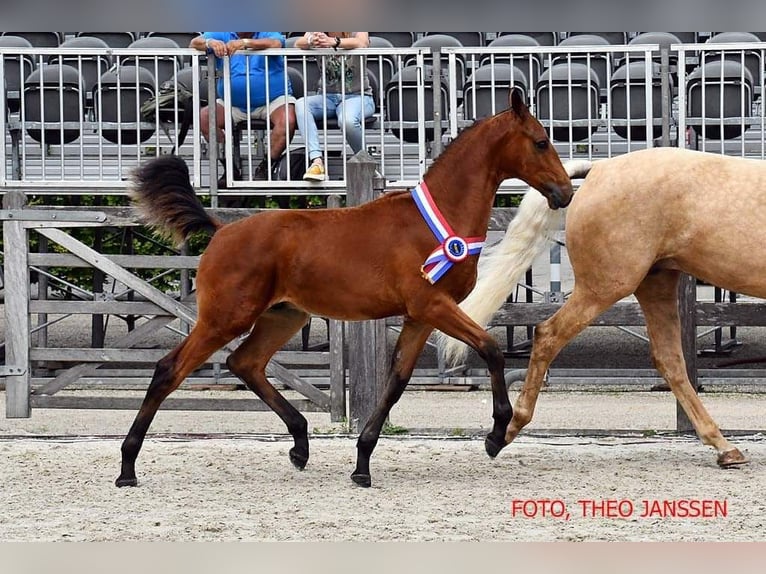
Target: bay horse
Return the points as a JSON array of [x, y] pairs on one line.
[[269, 272], [636, 223]]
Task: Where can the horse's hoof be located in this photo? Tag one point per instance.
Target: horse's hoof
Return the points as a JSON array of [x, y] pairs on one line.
[[363, 480], [492, 446], [120, 482], [298, 459], [731, 458]]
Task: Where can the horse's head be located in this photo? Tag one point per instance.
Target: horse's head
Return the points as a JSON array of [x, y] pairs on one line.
[[530, 156]]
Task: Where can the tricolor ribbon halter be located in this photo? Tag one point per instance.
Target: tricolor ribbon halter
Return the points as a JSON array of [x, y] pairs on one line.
[[452, 248]]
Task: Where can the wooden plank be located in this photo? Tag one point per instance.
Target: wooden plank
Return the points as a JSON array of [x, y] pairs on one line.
[[337, 364], [129, 355], [104, 264], [107, 307], [128, 261], [725, 314], [170, 404], [366, 339], [16, 285], [274, 369], [136, 336]]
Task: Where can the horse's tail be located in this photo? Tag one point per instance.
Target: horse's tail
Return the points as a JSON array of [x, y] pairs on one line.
[[502, 265], [166, 201]]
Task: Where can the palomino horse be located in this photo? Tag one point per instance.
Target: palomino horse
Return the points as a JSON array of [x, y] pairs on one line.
[[270, 271], [635, 224]]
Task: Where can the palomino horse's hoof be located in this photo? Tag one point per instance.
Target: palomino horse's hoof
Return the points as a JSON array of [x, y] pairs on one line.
[[731, 458], [298, 459], [492, 446], [120, 482], [363, 480]]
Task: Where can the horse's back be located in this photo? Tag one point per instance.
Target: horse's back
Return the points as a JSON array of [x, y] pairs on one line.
[[699, 212]]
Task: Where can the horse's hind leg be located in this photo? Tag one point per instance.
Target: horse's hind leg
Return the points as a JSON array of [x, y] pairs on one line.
[[410, 343], [549, 338], [271, 331], [658, 296], [169, 373]]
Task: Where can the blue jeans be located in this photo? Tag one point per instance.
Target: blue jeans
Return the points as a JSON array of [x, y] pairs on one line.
[[353, 109]]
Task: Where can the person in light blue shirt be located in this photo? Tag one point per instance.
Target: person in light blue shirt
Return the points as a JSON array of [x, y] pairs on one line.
[[260, 77]]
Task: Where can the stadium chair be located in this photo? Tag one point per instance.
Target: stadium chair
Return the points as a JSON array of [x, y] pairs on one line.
[[259, 126], [40, 39], [398, 39], [112, 39], [719, 82], [436, 42], [91, 67], [576, 103], [403, 122], [616, 38], [487, 91], [16, 69], [183, 39], [628, 95], [531, 64], [543, 38], [162, 66], [599, 62], [54, 94], [117, 101], [750, 58], [384, 67], [467, 39]]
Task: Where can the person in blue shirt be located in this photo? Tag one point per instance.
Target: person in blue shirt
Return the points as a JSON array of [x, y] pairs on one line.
[[251, 68]]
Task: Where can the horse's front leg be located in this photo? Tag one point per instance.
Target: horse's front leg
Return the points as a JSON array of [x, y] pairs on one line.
[[446, 316], [411, 341]]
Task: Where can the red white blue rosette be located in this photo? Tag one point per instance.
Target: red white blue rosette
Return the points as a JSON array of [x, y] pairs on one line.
[[452, 248]]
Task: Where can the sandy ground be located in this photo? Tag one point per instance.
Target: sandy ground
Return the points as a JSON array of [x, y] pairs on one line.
[[241, 486]]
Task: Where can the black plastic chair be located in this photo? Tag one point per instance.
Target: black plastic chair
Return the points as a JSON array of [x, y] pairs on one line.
[[719, 99], [531, 64], [398, 39], [468, 39], [40, 39], [628, 96], [90, 66], [543, 38], [488, 90], [54, 97], [17, 67], [118, 100], [112, 39], [570, 95], [162, 66], [402, 103], [599, 62]]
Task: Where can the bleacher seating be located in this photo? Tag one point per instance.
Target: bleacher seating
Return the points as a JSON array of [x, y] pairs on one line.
[[54, 94], [16, 68]]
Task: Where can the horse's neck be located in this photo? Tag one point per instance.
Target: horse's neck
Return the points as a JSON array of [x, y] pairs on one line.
[[463, 186]]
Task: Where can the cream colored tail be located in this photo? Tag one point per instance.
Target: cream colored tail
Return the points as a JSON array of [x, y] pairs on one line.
[[502, 265]]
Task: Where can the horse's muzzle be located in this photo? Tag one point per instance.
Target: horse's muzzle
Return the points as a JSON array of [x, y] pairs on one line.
[[558, 197]]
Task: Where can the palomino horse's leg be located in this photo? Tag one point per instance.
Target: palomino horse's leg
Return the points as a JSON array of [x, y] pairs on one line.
[[410, 343], [169, 373], [444, 314], [550, 337], [658, 295], [271, 331]]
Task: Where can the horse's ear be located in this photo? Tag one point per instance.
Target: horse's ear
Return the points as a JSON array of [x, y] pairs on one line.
[[518, 105]]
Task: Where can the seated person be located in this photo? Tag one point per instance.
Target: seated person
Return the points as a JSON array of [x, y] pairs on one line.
[[246, 66], [347, 98]]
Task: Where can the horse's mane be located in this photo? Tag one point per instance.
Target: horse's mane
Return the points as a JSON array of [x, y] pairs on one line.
[[463, 139]]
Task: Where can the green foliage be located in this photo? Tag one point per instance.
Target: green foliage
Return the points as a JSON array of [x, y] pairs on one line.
[[389, 429]]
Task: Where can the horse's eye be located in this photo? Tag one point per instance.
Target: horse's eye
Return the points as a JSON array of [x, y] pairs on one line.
[[542, 144]]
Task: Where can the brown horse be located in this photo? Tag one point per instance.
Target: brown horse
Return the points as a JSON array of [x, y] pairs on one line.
[[271, 271], [635, 224]]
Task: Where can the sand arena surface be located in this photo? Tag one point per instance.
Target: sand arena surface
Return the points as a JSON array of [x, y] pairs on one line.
[[243, 487]]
